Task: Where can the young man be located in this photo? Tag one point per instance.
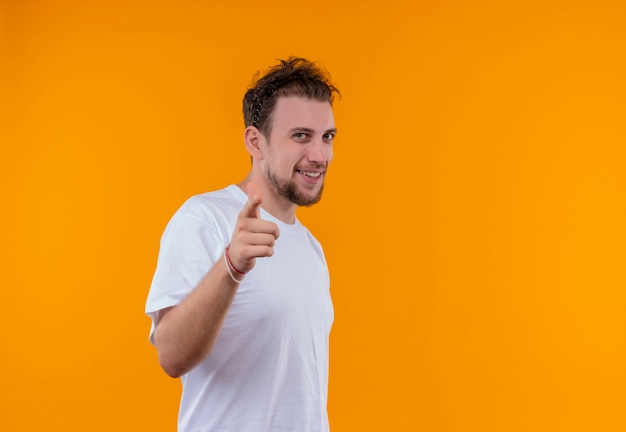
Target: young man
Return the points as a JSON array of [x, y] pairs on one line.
[[240, 301]]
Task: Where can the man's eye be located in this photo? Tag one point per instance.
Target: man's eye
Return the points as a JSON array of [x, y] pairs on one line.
[[299, 135], [329, 136]]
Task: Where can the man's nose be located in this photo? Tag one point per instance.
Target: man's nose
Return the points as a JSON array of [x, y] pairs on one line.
[[319, 152]]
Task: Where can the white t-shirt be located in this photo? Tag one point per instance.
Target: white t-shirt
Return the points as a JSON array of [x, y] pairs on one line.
[[269, 368]]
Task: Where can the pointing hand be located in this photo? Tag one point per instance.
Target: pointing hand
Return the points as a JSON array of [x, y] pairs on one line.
[[253, 237]]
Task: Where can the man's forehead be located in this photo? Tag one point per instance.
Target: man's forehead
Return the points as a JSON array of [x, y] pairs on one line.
[[312, 113]]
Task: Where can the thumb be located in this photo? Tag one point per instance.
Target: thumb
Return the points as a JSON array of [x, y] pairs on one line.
[[251, 209]]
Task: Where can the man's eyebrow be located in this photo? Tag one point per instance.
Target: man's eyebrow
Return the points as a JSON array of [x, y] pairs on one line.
[[311, 131], [302, 129]]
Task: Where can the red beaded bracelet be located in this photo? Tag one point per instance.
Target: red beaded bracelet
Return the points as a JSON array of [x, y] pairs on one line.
[[231, 263]]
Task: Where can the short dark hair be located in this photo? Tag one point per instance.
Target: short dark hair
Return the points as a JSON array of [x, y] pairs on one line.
[[292, 77]]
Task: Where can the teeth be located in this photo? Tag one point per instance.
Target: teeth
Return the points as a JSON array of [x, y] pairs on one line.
[[311, 174]]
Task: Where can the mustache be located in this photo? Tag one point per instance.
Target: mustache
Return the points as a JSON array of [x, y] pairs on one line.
[[313, 167]]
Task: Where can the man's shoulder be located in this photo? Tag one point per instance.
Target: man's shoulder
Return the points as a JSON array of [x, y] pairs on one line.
[[219, 202], [220, 196]]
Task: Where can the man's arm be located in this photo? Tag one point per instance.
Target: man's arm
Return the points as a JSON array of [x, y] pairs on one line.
[[186, 333]]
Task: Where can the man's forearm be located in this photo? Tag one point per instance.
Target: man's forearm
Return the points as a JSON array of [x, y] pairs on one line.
[[186, 333]]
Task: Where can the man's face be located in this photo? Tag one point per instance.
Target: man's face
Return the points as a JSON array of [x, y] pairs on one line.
[[299, 149]]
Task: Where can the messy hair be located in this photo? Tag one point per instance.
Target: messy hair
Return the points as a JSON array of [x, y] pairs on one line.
[[292, 77]]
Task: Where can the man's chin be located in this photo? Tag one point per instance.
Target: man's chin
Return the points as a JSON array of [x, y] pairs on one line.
[[292, 192], [309, 203], [306, 200]]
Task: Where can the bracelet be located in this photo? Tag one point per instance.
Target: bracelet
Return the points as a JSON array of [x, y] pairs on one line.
[[237, 281], [231, 263]]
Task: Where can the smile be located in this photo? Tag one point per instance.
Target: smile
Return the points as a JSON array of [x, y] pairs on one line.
[[310, 173]]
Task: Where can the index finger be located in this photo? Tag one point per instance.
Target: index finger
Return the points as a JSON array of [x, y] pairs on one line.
[[251, 208]]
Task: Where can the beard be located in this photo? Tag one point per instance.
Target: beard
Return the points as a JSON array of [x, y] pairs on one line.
[[287, 189]]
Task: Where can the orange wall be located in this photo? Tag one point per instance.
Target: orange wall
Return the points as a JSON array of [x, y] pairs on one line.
[[473, 220]]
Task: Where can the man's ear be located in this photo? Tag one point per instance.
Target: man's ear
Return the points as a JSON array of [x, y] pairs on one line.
[[254, 141]]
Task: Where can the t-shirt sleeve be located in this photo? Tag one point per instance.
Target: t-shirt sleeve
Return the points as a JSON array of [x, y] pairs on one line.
[[190, 246]]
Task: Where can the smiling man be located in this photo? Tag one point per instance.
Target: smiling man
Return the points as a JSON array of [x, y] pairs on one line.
[[240, 300]]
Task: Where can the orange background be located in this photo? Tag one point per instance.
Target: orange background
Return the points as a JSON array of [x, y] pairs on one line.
[[473, 220]]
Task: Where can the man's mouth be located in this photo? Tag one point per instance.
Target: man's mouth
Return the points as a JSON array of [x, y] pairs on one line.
[[313, 174]]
